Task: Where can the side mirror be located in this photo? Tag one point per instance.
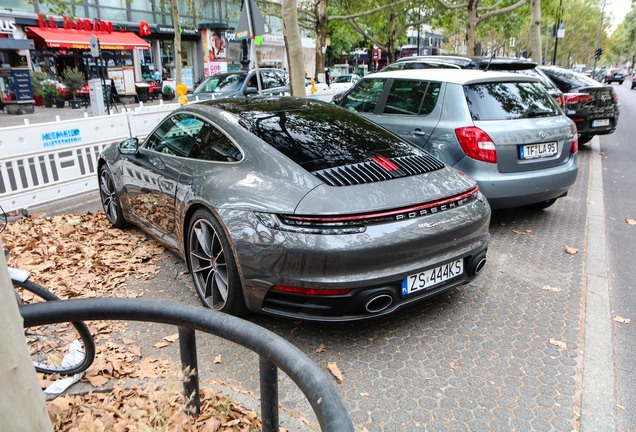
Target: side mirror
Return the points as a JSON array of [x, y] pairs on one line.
[[251, 91], [129, 146]]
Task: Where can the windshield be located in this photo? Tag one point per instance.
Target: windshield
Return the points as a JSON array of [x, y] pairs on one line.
[[222, 83], [342, 79]]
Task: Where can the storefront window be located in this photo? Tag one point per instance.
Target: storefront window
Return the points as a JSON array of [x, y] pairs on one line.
[[112, 14], [167, 54]]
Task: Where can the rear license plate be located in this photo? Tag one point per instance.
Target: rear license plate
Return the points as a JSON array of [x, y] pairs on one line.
[[533, 151], [432, 277], [599, 123]]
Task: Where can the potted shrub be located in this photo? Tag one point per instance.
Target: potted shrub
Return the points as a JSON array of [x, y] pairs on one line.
[[167, 92], [74, 80], [37, 86], [49, 93], [60, 97]]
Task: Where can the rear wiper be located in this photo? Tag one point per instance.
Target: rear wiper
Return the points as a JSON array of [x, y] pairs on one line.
[[538, 113]]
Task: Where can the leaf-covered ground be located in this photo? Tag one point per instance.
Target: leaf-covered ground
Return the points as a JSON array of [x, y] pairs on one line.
[[83, 256]]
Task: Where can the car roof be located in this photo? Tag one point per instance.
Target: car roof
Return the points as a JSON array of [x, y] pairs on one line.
[[455, 76], [477, 62]]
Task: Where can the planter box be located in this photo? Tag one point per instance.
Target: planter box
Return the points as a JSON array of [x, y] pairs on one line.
[[60, 103], [75, 103]]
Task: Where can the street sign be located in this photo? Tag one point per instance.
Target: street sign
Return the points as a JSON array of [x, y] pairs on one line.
[[258, 23], [94, 46]]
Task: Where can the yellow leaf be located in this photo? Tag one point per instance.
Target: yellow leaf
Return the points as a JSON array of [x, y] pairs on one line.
[[560, 344], [622, 320], [172, 338], [631, 221], [335, 370], [571, 250]]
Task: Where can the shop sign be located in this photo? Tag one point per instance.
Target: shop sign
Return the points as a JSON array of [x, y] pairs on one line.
[[170, 30], [71, 23], [7, 26]]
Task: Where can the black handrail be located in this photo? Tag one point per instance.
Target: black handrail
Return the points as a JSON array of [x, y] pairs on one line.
[[274, 351]]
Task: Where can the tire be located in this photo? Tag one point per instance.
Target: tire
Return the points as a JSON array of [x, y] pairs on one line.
[[212, 265], [48, 348], [542, 205], [584, 139], [110, 199]]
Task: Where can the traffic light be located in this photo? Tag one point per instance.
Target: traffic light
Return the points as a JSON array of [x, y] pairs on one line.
[[598, 53]]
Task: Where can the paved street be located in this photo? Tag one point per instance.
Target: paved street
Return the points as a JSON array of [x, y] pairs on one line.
[[504, 353]]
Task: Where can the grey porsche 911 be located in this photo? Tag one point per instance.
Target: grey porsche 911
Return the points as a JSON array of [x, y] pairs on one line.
[[297, 208]]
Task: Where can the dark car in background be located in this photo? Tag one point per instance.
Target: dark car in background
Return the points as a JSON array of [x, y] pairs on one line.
[[615, 75], [298, 208], [502, 129], [241, 84], [593, 106]]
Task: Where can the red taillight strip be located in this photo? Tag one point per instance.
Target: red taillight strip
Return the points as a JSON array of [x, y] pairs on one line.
[[310, 291], [385, 163], [377, 215]]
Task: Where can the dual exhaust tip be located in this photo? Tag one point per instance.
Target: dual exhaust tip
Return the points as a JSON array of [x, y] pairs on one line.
[[380, 302]]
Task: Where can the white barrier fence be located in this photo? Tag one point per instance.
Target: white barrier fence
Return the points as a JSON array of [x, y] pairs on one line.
[[45, 162]]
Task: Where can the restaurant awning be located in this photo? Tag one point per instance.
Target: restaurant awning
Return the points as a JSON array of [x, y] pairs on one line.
[[80, 39]]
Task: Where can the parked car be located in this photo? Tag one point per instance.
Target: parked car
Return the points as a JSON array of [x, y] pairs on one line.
[[241, 84], [344, 82], [418, 63], [615, 75], [593, 106], [502, 129], [298, 208], [501, 64]]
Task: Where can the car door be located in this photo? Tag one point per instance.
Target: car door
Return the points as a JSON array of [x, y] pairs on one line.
[[406, 107], [273, 84], [151, 176]]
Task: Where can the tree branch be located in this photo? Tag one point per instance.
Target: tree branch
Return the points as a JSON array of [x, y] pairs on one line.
[[452, 7], [365, 13], [502, 11]]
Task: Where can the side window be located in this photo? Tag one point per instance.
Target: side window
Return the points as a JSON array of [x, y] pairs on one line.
[[365, 96], [213, 145], [175, 136], [412, 97], [271, 80]]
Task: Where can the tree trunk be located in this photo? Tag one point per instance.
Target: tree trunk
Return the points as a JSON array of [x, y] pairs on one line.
[[471, 27], [320, 15], [535, 31], [293, 43], [177, 41], [22, 404]]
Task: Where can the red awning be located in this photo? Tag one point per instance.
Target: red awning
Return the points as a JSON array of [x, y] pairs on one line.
[[80, 39]]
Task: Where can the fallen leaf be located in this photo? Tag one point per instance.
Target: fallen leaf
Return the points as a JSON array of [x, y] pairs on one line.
[[571, 250], [522, 232], [97, 380], [320, 349], [551, 289], [335, 370], [560, 344], [217, 359], [161, 344], [631, 221], [172, 338], [622, 320], [364, 394]]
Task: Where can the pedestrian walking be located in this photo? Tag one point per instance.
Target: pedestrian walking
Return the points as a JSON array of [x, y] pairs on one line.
[[157, 77]]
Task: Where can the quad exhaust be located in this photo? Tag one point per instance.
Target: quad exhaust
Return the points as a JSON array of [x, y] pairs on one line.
[[378, 303]]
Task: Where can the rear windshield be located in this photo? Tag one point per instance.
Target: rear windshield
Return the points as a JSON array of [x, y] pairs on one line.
[[222, 83], [324, 136], [509, 100]]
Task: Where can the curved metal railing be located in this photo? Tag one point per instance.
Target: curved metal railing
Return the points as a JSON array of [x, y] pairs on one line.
[[274, 352]]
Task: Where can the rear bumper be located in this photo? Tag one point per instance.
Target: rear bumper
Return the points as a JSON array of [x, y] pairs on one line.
[[507, 190]]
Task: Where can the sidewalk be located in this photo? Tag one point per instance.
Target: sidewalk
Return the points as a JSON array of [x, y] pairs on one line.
[[44, 115]]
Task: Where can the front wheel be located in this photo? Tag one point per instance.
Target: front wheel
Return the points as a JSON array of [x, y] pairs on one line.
[[109, 198], [212, 265]]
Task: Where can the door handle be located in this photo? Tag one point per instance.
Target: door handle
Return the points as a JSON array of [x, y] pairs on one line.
[[418, 132]]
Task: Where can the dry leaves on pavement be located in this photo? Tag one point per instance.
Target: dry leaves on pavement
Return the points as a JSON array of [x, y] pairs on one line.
[[571, 250], [622, 320], [631, 221], [335, 370]]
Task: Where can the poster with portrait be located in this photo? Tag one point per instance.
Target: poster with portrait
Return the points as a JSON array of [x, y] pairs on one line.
[[216, 45]]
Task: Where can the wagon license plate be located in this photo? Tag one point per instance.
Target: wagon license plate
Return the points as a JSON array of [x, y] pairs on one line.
[[432, 277], [534, 151], [601, 122]]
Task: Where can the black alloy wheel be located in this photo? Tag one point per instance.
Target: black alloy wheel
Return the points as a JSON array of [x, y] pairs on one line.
[[110, 200], [212, 265]]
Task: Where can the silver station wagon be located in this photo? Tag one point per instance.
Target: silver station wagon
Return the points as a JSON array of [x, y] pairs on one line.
[[502, 129]]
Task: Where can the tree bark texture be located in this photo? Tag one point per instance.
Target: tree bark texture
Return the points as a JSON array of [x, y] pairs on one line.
[[534, 35], [295, 59], [22, 406], [177, 41]]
